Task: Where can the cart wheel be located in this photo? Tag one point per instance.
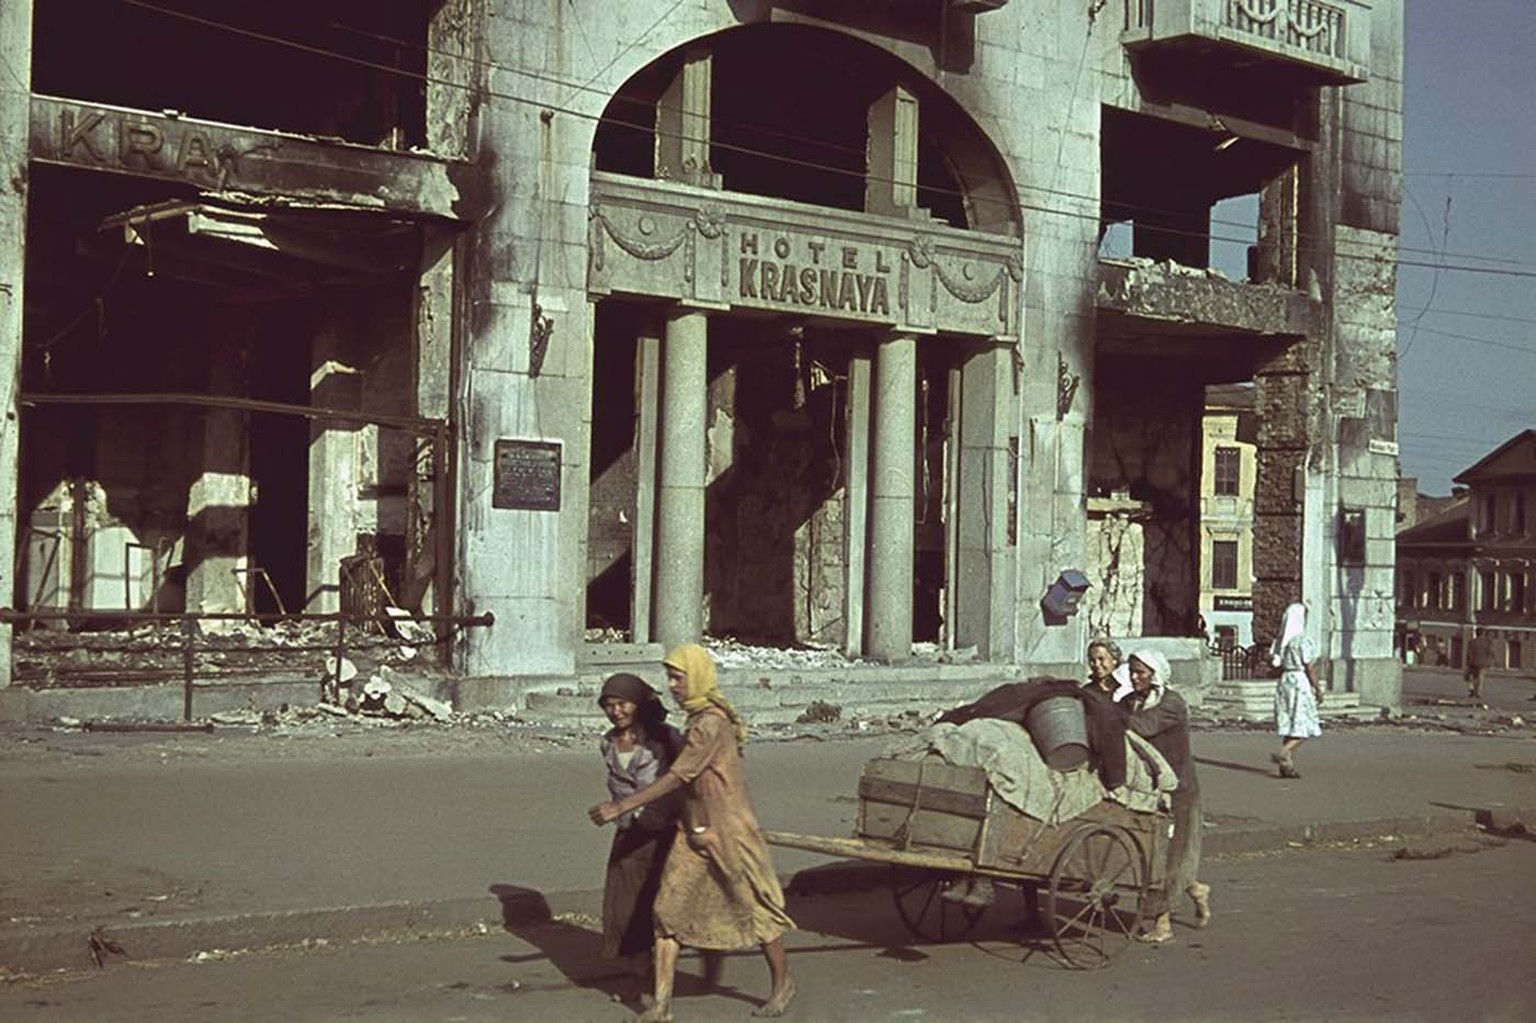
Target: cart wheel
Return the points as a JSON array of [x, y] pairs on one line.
[[1093, 905], [916, 893]]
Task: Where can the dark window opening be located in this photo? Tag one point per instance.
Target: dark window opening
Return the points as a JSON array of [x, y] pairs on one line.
[[1191, 195], [352, 69], [613, 466], [1223, 564], [802, 137], [1228, 471], [1351, 538], [140, 501]]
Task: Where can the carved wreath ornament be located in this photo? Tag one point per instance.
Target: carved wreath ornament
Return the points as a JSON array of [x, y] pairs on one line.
[[707, 221], [640, 247]]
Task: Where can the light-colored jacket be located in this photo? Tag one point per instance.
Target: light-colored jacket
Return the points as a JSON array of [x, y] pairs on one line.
[[649, 762]]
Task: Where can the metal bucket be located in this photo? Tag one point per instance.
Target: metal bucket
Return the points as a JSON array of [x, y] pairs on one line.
[[1060, 730]]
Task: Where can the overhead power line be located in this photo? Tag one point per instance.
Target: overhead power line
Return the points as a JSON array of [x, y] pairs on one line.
[[1478, 340], [1469, 174], [807, 164]]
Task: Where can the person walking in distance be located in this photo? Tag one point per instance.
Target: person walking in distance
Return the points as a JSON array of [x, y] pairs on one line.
[[1479, 660], [718, 890], [636, 751], [1299, 690]]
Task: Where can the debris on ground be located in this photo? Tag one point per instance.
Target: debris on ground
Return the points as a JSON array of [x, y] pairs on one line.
[[1432, 848], [102, 946], [1506, 821], [821, 712], [236, 650]]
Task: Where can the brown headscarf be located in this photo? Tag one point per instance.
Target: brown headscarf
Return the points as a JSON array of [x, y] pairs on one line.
[[627, 687]]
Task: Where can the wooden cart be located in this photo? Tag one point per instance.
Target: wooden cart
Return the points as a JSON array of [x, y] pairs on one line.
[[937, 824]]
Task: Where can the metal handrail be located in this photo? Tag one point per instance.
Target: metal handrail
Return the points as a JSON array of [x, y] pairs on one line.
[[188, 619]]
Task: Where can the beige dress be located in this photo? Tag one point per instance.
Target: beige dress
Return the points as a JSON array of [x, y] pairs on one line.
[[718, 890]]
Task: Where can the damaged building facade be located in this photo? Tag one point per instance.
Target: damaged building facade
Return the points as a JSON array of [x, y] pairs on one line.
[[629, 324]]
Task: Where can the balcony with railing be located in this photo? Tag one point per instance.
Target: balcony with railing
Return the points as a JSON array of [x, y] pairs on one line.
[[1325, 42]]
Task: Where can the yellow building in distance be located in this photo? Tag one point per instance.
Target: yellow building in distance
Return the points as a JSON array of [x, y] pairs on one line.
[[1227, 471]]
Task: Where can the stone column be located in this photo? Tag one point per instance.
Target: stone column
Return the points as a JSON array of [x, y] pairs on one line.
[[15, 110], [1279, 487], [643, 544], [983, 579], [219, 501], [333, 476], [678, 602], [856, 491], [890, 187], [892, 520], [429, 518], [682, 124]]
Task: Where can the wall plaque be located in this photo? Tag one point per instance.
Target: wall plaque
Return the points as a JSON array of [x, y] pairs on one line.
[[527, 475]]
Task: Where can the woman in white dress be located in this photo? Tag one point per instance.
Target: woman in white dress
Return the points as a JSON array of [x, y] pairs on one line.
[[1299, 690]]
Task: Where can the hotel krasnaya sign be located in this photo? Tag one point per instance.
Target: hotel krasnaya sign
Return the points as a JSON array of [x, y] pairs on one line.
[[717, 250]]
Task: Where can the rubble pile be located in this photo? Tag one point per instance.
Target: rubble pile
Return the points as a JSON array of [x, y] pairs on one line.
[[222, 649], [383, 694]]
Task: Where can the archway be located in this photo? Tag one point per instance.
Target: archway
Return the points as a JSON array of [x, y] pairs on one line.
[[828, 357]]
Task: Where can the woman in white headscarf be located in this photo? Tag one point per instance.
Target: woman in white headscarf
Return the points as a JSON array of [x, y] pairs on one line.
[[1160, 715], [1298, 691]]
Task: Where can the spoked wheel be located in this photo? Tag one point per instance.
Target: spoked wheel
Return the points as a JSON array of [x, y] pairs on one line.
[[916, 893], [1094, 903]]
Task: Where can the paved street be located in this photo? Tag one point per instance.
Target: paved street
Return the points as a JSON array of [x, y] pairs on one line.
[[181, 846], [1302, 935]]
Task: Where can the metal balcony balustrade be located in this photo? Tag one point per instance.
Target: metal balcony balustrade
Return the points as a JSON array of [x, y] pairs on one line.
[[1331, 37]]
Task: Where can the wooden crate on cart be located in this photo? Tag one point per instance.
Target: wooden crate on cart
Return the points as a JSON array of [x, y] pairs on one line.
[[931, 806], [938, 825]]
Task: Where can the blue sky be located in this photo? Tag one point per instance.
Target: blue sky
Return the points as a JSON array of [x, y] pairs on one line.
[[1467, 341]]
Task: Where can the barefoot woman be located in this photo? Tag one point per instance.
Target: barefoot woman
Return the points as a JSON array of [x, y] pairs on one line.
[[718, 890]]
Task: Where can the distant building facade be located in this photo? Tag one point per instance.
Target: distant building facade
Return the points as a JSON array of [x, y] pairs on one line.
[[1229, 467], [1472, 565]]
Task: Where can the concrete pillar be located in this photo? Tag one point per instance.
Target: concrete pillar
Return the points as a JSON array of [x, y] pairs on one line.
[[15, 112], [643, 548], [890, 184], [856, 493], [429, 508], [679, 556], [219, 500], [982, 580], [1280, 488], [892, 518], [682, 124], [333, 476]]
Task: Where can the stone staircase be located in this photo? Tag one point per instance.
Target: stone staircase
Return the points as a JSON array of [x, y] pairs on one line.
[[784, 688], [1254, 700], [780, 693]]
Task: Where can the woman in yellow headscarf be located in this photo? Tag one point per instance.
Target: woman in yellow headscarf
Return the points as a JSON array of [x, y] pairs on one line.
[[718, 891]]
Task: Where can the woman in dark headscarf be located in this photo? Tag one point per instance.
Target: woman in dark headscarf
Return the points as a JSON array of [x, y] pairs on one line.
[[637, 750], [719, 891]]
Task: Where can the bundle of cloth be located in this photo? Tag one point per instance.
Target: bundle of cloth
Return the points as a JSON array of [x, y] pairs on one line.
[[990, 734]]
